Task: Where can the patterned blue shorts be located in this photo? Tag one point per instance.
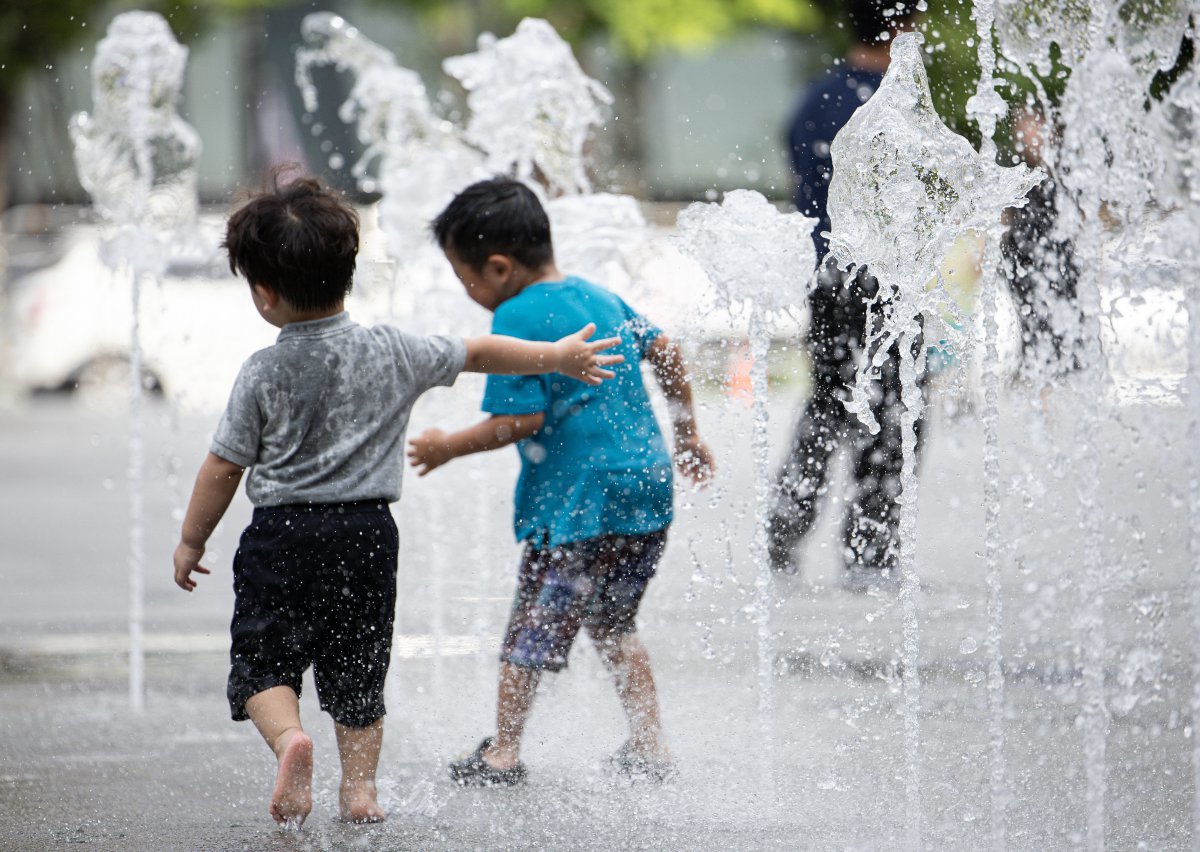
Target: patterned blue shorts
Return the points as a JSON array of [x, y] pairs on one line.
[[597, 583]]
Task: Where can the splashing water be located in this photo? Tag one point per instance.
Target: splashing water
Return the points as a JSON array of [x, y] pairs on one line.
[[986, 107], [1102, 66], [597, 235], [755, 256], [1193, 395], [904, 188], [1120, 169], [422, 160], [423, 800], [137, 157], [1179, 188], [759, 259], [532, 107], [532, 111], [134, 154], [334, 41], [1028, 29]]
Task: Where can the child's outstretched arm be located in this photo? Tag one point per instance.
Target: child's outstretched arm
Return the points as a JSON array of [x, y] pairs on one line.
[[216, 483], [433, 447], [573, 355], [692, 455]]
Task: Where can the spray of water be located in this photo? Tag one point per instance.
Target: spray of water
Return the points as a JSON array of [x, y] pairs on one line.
[[1110, 162], [1181, 189], [532, 107], [134, 154], [757, 259], [532, 112], [987, 108], [904, 188], [420, 158], [136, 157]]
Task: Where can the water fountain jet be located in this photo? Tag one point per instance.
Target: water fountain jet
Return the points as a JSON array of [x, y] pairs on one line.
[[756, 258], [904, 188], [136, 157]]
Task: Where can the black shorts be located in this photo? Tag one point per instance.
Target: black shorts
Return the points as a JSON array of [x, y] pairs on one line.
[[315, 585]]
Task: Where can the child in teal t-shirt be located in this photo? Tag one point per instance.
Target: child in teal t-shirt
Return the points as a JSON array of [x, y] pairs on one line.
[[593, 501], [598, 464]]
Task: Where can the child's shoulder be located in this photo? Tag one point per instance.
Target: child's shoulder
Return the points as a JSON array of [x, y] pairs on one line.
[[536, 302], [260, 358], [570, 288], [597, 297], [392, 340]]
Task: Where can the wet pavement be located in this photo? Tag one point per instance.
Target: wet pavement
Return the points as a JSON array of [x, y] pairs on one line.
[[78, 768]]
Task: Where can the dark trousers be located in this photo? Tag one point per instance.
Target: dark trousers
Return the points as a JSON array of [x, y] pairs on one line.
[[835, 342]]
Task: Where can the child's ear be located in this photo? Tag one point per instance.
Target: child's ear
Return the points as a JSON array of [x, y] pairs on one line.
[[500, 266], [265, 296]]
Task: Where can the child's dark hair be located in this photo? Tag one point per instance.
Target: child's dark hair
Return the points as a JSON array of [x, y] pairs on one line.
[[298, 238], [497, 216]]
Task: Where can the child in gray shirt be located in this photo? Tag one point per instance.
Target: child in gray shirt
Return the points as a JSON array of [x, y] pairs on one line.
[[319, 419]]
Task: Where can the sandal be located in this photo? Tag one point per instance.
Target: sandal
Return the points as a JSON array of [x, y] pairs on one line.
[[473, 771], [632, 766]]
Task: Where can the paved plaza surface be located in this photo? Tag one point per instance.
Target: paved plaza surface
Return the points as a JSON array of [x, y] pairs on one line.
[[827, 771]]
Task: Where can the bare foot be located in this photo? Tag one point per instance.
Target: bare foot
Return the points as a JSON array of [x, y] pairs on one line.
[[358, 802], [291, 801]]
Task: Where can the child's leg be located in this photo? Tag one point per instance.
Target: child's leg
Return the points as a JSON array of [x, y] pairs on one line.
[[276, 714], [354, 641], [514, 700], [359, 750], [627, 661], [629, 562]]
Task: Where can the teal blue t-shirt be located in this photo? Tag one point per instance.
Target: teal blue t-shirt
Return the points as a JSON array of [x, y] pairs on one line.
[[599, 465]]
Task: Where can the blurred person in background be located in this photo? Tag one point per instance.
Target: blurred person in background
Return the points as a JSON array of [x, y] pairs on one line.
[[838, 312], [1039, 263]]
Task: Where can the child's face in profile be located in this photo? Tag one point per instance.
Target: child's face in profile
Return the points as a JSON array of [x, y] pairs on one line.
[[486, 286]]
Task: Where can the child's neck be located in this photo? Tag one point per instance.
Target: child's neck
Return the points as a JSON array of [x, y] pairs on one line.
[[289, 315], [523, 277]]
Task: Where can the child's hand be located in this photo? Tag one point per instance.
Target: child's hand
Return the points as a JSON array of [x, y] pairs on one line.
[[579, 359], [429, 450], [694, 459], [187, 560]]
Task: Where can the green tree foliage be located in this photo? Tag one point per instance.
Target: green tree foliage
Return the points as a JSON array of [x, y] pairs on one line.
[[31, 31], [31, 35], [640, 28], [952, 59], [34, 31]]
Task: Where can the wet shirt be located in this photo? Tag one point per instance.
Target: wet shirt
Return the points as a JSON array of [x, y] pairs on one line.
[[822, 111], [598, 466], [320, 416]]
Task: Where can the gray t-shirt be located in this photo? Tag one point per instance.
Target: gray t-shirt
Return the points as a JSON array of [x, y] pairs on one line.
[[320, 417]]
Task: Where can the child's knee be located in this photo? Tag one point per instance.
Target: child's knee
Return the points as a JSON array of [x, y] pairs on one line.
[[613, 642]]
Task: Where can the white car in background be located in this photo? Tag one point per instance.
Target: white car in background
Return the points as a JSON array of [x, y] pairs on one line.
[[71, 326]]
